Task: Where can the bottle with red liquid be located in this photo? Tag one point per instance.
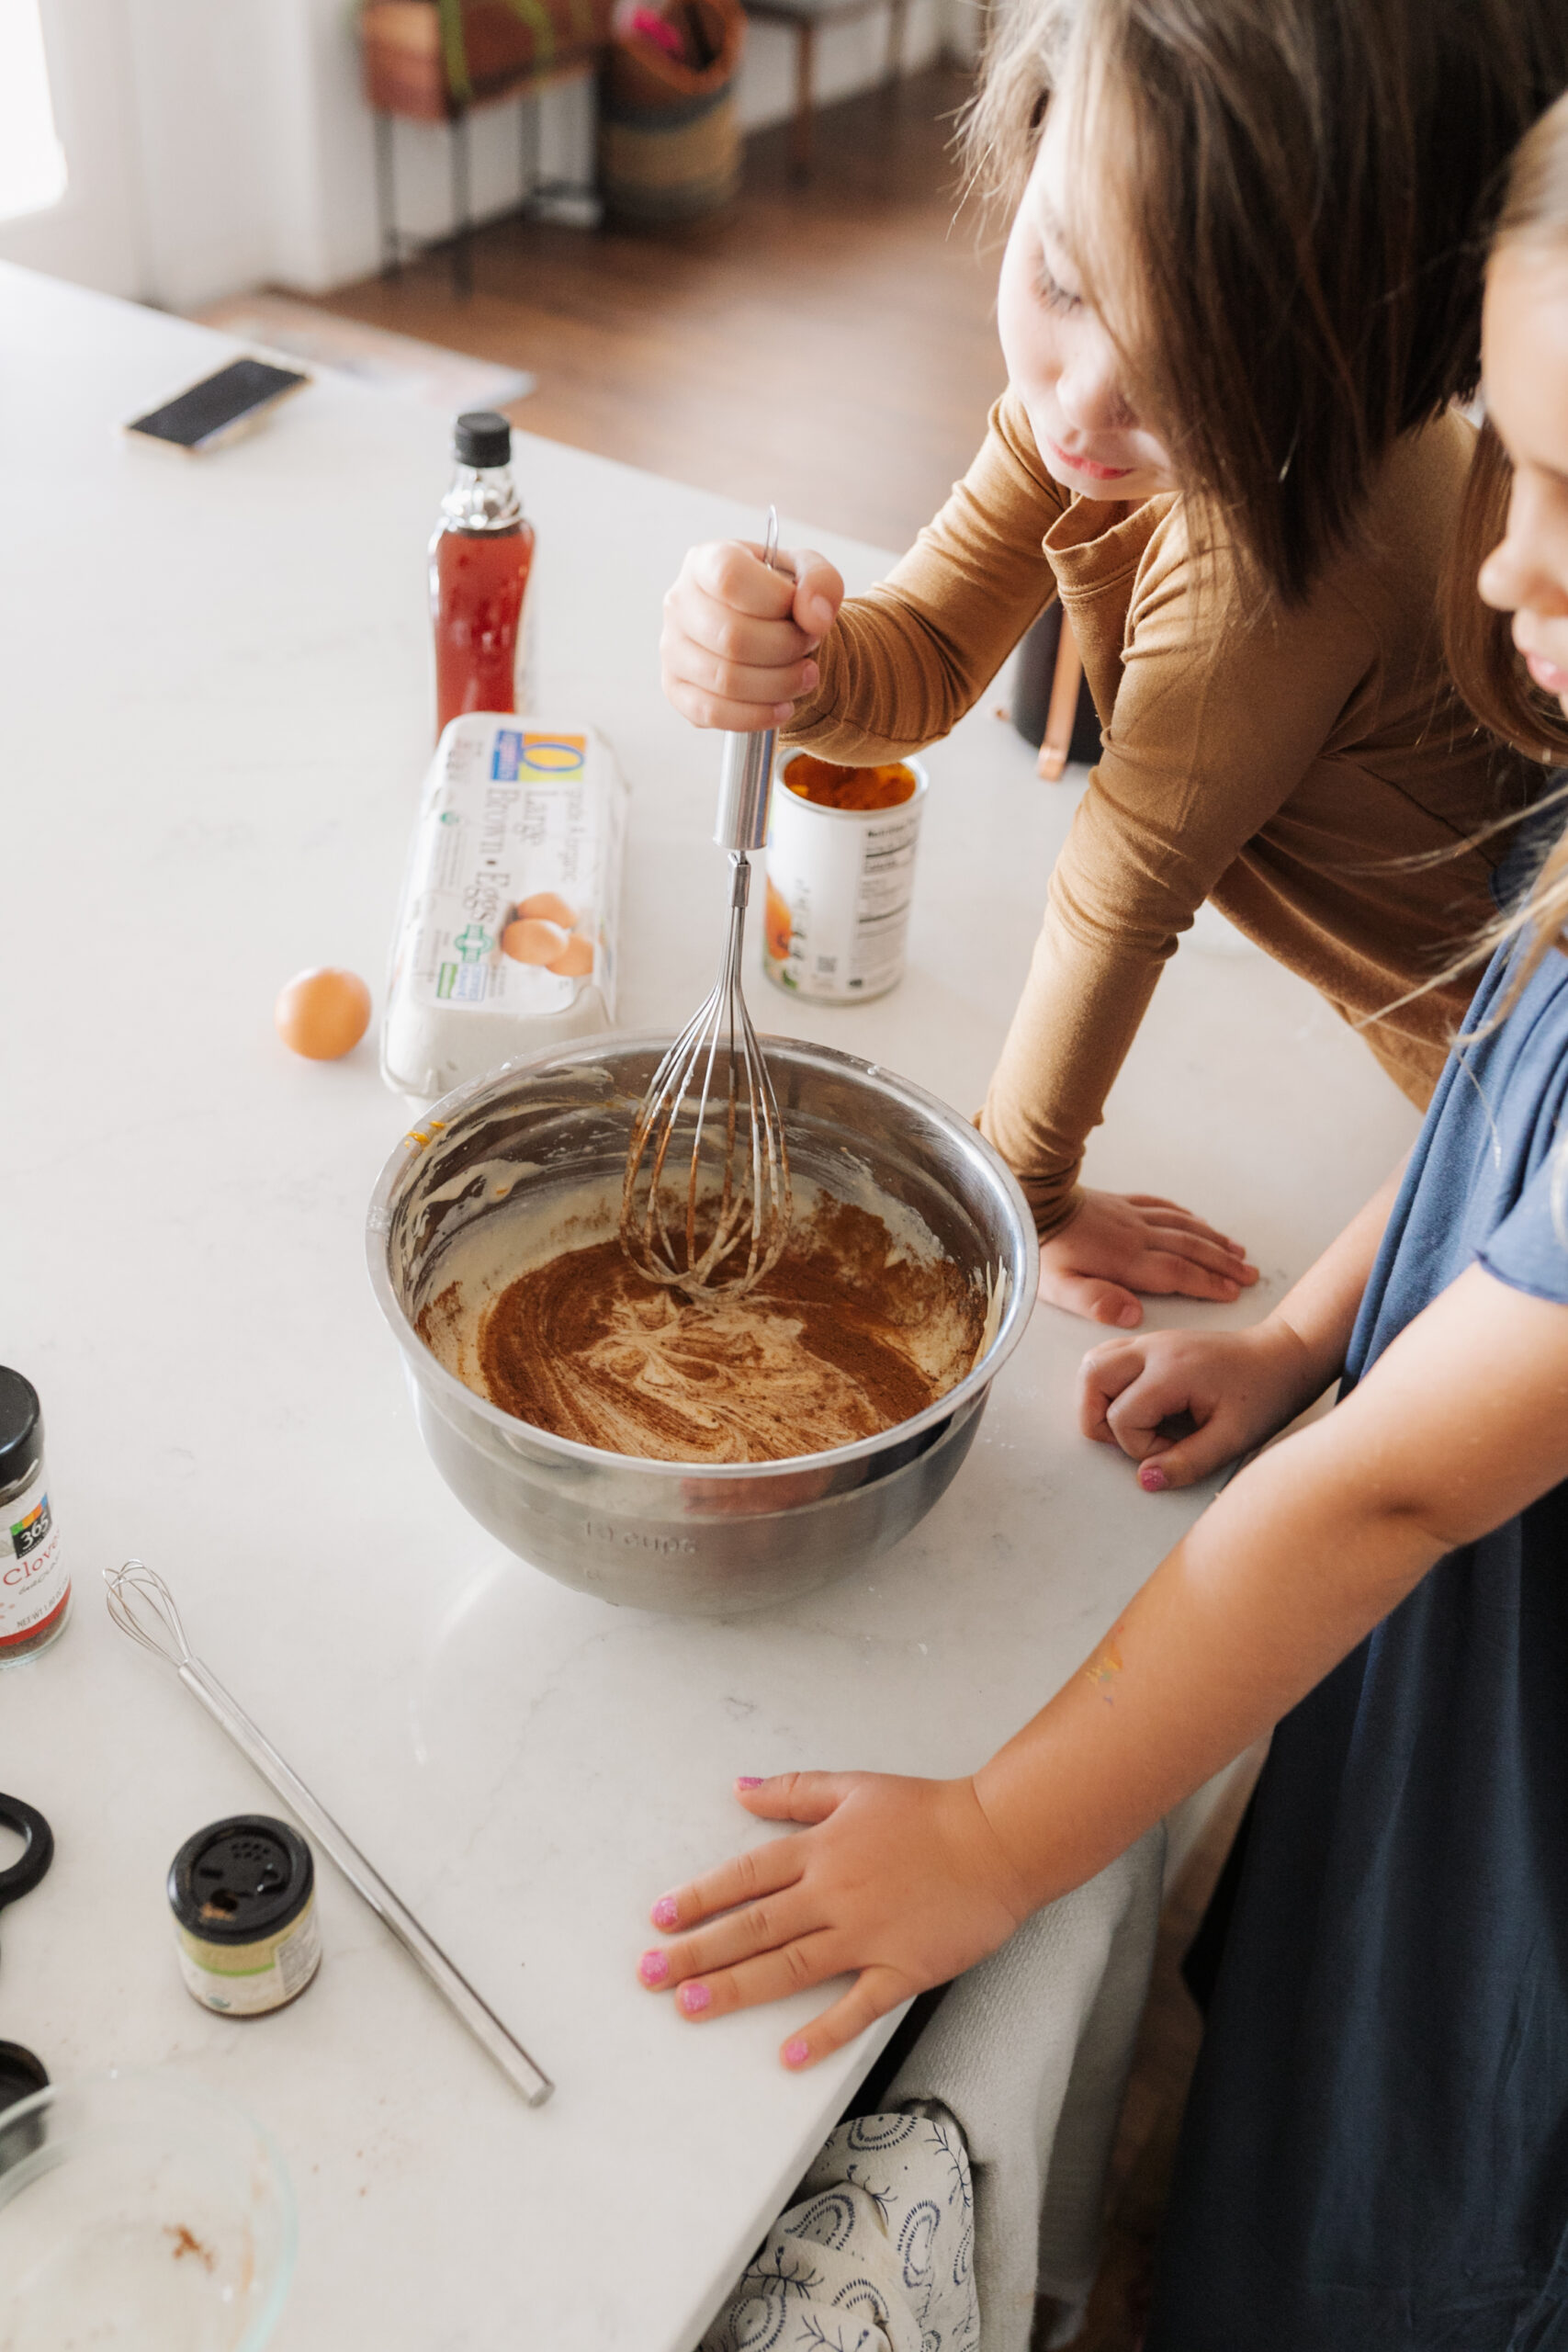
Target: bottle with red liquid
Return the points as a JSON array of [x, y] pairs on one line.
[[479, 562]]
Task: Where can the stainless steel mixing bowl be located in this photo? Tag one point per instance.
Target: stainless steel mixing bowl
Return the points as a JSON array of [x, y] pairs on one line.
[[685, 1536]]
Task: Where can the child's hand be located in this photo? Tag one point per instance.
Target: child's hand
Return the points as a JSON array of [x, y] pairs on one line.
[[1236, 1387], [902, 1881], [738, 636], [1121, 1242]]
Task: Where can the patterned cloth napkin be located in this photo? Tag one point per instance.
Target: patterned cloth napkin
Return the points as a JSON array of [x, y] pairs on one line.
[[877, 2255]]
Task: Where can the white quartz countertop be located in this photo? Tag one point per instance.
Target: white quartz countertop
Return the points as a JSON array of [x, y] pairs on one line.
[[214, 720]]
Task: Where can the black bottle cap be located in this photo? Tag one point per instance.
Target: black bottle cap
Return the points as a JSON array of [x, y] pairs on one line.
[[20, 1431], [20, 2076], [482, 438], [38, 1849], [241, 1879]]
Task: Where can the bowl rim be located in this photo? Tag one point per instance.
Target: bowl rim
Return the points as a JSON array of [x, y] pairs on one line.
[[445, 1385]]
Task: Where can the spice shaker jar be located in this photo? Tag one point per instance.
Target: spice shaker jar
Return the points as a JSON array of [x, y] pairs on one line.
[[34, 1590], [243, 1893]]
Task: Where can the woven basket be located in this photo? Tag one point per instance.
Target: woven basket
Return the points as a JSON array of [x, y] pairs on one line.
[[669, 134]]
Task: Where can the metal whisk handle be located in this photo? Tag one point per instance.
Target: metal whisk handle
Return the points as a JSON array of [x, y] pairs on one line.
[[748, 769], [743, 782], [481, 2020]]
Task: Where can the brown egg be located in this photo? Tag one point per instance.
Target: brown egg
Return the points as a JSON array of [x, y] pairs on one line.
[[322, 1015], [549, 907], [533, 941], [576, 957]]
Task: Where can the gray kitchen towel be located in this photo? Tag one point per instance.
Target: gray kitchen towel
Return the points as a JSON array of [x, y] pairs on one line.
[[1029, 2052], [936, 2225]]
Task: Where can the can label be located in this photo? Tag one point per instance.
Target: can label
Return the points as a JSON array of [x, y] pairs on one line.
[[840, 883], [34, 1585], [245, 1980]]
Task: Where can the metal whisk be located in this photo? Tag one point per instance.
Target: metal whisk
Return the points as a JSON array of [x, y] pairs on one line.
[[142, 1606], [707, 1203]]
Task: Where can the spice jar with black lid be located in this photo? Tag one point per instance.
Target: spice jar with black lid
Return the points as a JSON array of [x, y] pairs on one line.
[[243, 1893], [35, 1589]]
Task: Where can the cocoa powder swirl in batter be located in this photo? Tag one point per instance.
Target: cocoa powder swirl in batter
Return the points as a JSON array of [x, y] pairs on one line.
[[844, 1338]]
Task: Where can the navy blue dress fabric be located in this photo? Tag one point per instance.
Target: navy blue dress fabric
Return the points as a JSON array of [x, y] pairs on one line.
[[1375, 2151]]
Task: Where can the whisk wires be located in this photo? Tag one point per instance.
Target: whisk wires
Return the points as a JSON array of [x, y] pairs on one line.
[[711, 1103], [142, 1606], [710, 1117]]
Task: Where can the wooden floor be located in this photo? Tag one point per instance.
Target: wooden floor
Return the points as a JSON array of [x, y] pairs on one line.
[[831, 348]]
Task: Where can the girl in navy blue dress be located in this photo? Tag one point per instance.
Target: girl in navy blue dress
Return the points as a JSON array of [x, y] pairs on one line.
[[1376, 2148]]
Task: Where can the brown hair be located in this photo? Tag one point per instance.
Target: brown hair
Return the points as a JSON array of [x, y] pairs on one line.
[[1309, 186]]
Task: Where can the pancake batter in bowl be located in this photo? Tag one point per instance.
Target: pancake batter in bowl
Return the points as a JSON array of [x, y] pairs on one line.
[[851, 1333]]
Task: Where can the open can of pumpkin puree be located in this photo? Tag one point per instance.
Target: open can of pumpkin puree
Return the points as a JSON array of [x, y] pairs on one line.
[[840, 876]]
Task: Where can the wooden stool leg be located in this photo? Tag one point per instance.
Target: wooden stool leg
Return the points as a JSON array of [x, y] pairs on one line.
[[528, 148], [896, 20], [387, 195], [805, 62], [462, 209], [1062, 709]]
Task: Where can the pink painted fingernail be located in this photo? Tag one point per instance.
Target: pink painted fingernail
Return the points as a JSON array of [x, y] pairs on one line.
[[653, 1967], [748, 1780], [695, 1999], [666, 1911], [797, 2051], [1152, 1478]]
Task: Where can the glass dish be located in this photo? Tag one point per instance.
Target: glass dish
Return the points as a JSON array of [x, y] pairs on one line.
[[140, 2211]]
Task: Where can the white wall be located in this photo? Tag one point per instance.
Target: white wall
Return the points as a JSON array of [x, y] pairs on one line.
[[215, 144], [96, 233], [207, 133]]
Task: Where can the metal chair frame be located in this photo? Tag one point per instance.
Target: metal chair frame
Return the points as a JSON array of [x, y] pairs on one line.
[[399, 246]]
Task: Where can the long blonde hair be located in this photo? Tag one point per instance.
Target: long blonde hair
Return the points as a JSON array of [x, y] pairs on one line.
[[1487, 666]]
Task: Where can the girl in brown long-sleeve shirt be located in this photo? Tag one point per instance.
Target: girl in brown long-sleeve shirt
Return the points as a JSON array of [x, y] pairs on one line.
[[1227, 444]]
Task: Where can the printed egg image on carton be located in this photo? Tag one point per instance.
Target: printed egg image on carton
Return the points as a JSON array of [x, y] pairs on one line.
[[505, 937]]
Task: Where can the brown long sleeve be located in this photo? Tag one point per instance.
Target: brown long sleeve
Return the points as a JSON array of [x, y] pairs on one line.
[[1289, 767], [904, 662]]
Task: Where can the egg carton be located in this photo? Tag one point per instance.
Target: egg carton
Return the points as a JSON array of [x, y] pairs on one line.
[[506, 933]]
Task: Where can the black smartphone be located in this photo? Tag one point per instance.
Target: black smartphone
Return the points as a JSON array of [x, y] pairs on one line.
[[219, 408]]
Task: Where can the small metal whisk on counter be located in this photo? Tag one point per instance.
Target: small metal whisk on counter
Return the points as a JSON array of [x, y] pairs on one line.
[[706, 1203], [142, 1606]]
